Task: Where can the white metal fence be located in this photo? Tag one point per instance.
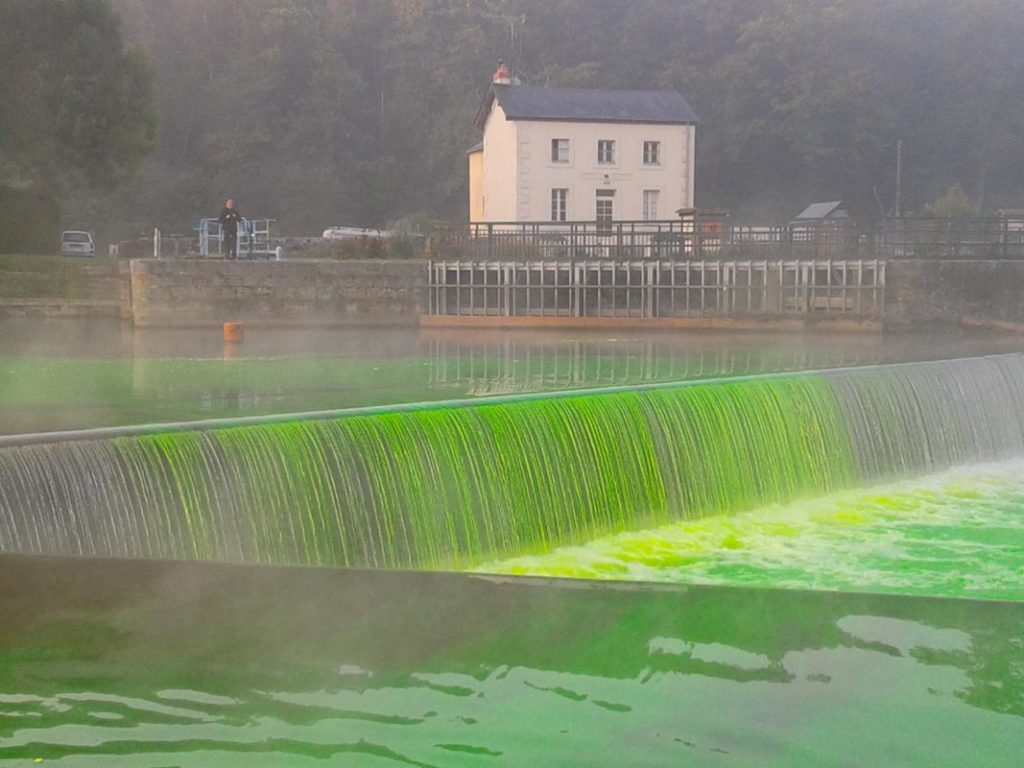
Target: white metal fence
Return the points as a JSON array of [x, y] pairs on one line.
[[655, 288]]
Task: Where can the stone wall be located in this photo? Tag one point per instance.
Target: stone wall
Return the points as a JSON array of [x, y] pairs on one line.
[[277, 293], [50, 286], [930, 294], [919, 295]]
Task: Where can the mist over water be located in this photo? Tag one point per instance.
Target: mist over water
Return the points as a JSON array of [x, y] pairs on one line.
[[792, 551], [192, 664], [56, 375], [147, 663]]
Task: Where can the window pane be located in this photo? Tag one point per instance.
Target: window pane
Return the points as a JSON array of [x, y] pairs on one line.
[[606, 151], [559, 150], [652, 152], [559, 200], [605, 208], [650, 204]]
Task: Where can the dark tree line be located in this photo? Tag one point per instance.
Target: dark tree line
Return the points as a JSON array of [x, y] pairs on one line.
[[75, 112], [359, 112]]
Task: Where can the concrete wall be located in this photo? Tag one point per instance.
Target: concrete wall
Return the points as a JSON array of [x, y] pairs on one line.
[[297, 293], [930, 294]]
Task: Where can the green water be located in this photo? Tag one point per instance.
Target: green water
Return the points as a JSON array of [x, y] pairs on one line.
[[75, 374], [454, 486], [430, 488], [955, 534], [722, 492], [158, 664]]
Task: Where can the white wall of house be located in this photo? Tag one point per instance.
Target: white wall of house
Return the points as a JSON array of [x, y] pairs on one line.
[[500, 167], [520, 174]]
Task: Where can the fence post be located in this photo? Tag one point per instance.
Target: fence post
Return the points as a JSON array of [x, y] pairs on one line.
[[649, 270], [156, 244], [506, 276]]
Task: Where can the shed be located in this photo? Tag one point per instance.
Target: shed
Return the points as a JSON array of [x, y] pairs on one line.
[[816, 212]]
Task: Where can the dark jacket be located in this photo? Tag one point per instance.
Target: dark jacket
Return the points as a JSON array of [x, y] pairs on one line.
[[229, 218]]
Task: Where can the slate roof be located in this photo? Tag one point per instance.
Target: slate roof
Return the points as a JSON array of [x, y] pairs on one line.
[[822, 211], [528, 102]]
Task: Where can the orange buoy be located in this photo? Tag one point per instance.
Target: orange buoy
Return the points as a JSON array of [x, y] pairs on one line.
[[232, 331]]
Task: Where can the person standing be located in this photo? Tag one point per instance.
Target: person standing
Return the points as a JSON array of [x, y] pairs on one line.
[[229, 218]]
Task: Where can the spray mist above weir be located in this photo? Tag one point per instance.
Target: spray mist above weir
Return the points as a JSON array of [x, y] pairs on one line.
[[450, 485]]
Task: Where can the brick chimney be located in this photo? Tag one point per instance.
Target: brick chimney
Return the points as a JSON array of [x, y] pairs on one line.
[[502, 75]]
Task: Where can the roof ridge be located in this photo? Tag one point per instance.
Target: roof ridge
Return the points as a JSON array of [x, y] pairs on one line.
[[600, 105]]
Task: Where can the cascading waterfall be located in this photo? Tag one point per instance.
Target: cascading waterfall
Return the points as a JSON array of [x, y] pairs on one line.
[[455, 485]]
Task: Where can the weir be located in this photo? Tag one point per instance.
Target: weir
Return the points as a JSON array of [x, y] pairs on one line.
[[454, 484]]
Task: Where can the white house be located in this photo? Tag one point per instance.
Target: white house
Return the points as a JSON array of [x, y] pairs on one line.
[[567, 154]]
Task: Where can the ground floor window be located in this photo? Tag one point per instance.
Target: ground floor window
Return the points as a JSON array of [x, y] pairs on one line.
[[559, 204], [605, 208], [651, 204]]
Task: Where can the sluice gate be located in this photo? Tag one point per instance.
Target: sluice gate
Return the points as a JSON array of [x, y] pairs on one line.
[[656, 289]]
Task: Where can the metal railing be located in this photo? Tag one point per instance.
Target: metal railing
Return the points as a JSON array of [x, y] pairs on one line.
[[658, 288], [530, 241], [254, 240], [704, 236]]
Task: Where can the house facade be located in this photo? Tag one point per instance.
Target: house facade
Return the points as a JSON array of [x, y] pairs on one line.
[[565, 154]]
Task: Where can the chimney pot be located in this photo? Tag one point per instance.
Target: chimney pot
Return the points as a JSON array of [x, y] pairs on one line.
[[502, 75]]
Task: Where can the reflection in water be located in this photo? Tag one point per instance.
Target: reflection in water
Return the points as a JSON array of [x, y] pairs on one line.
[[57, 375], [195, 665], [509, 365], [489, 363]]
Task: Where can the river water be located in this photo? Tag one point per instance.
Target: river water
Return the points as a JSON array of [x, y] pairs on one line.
[[168, 664], [880, 626], [955, 534], [57, 375]]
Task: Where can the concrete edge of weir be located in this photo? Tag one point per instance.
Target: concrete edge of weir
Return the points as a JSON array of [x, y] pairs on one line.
[[206, 425]]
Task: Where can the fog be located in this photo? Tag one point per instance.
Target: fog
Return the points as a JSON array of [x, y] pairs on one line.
[[359, 112]]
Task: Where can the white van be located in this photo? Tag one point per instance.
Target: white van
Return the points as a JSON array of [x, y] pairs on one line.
[[75, 243]]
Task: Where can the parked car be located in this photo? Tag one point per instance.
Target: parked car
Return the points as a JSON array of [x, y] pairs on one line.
[[356, 233], [75, 243]]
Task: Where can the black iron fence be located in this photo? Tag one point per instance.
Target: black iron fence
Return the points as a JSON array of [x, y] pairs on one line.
[[713, 236]]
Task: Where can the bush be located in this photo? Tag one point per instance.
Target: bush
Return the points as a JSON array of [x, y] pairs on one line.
[[29, 222], [952, 204]]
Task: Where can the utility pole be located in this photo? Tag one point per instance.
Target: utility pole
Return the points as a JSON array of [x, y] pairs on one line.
[[899, 177], [515, 43]]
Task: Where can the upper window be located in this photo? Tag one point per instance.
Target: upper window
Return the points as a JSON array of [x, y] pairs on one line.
[[605, 151], [652, 153], [559, 150]]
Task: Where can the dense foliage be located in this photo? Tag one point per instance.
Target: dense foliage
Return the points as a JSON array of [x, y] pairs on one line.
[[358, 112], [75, 111]]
